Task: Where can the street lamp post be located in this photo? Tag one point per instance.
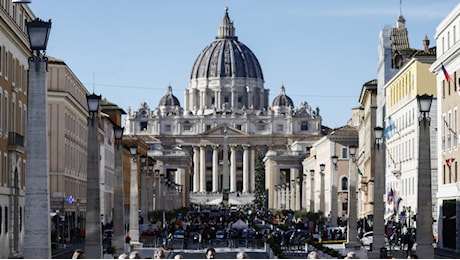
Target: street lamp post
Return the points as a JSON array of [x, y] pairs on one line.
[[334, 199], [37, 238], [424, 209], [379, 191], [312, 191], [134, 201], [93, 238], [352, 232], [118, 239]]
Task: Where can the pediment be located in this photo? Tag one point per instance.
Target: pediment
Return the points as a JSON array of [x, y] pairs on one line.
[[220, 130]]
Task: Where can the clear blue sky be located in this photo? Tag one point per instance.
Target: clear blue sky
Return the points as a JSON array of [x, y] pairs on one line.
[[321, 51]]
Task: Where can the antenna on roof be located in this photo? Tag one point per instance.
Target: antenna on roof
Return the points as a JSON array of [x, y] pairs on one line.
[[400, 7]]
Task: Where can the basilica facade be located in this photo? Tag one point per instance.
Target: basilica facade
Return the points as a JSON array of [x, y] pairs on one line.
[[227, 123]]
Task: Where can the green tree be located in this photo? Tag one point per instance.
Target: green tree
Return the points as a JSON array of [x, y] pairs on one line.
[[259, 189]]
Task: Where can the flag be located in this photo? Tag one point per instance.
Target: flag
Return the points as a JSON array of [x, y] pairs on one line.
[[449, 162], [390, 196], [446, 74], [389, 129], [359, 172]]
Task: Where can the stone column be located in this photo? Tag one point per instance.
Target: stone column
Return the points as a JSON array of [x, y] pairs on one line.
[[296, 186], [283, 196], [202, 99], [322, 204], [250, 102], [424, 211], [352, 211], [252, 170], [203, 169], [37, 229], [144, 183], [245, 169], [93, 230], [275, 197], [298, 194], [219, 99], [134, 206], [334, 199], [215, 169], [312, 194], [196, 169], [233, 168]]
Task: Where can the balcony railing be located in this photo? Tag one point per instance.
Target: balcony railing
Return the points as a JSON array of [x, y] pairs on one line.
[[15, 142]]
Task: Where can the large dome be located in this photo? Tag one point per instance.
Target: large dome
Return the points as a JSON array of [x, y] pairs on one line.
[[226, 56]]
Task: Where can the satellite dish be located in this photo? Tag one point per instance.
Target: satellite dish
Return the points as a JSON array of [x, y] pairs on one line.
[[22, 1]]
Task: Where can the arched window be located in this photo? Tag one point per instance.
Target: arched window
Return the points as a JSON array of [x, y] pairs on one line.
[[344, 183]]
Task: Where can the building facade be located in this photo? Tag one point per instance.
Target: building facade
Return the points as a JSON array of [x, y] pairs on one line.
[[402, 133], [14, 54], [448, 49], [226, 123]]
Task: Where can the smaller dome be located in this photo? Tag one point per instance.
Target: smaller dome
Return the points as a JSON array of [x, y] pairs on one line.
[[169, 99], [282, 99]]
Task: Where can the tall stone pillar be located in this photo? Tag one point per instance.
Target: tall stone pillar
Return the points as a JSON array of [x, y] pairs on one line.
[[233, 168], [203, 169], [215, 169], [196, 169], [245, 169], [275, 197], [252, 169], [134, 206]]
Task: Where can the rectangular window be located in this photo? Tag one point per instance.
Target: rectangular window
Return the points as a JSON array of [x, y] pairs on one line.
[[187, 127], [167, 128], [449, 133], [443, 89], [260, 127], [455, 128], [279, 128], [345, 207], [13, 72], [304, 126], [443, 134], [6, 220], [1, 60], [239, 127], [143, 126], [6, 65], [208, 127], [5, 113], [344, 152], [1, 109]]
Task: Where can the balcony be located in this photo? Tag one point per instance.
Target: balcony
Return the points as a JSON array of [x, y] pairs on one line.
[[15, 142]]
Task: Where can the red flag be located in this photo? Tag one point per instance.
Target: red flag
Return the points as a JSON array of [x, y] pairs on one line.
[[446, 74], [450, 161]]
